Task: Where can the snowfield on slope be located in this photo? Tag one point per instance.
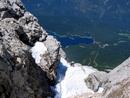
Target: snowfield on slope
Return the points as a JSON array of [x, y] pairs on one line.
[[71, 80]]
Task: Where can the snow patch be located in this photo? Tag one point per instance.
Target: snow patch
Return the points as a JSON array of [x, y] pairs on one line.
[[64, 62], [100, 90], [38, 50], [71, 80]]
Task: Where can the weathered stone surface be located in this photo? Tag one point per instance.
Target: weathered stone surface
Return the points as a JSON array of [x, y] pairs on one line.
[[20, 76], [33, 30], [53, 47], [88, 95], [26, 78], [51, 57], [5, 84], [11, 8], [119, 90], [96, 80], [116, 83]]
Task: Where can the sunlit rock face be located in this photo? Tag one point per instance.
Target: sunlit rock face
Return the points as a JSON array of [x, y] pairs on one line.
[[30, 60], [23, 73], [116, 83], [46, 55]]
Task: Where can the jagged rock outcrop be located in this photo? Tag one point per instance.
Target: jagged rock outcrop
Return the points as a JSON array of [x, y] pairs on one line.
[[11, 8], [20, 76], [34, 31], [116, 83]]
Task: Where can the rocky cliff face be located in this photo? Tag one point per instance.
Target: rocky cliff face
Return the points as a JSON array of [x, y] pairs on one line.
[[28, 72], [20, 76], [116, 83]]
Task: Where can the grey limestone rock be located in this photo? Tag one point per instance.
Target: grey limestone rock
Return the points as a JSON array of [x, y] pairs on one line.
[[33, 30], [116, 83], [20, 76], [11, 8], [51, 58], [96, 80]]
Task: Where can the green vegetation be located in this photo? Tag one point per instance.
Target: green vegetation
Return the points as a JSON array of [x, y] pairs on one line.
[[101, 58], [124, 35], [93, 55]]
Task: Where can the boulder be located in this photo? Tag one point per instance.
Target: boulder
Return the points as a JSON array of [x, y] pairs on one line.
[[96, 80]]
